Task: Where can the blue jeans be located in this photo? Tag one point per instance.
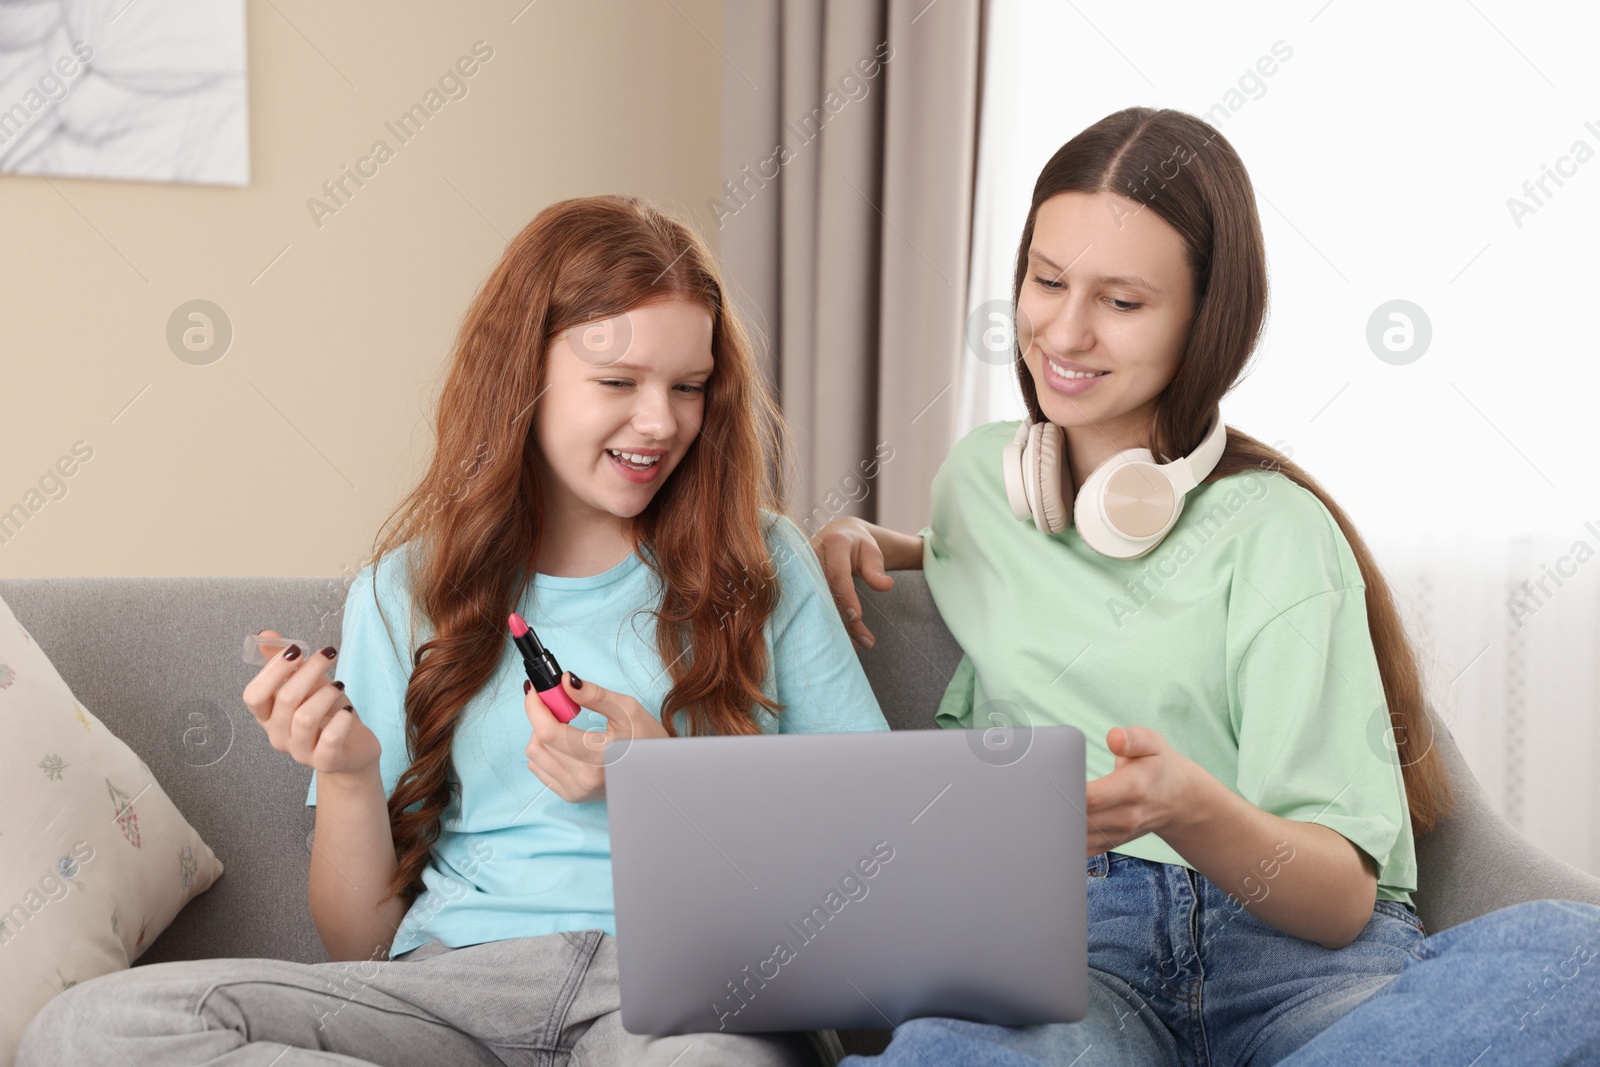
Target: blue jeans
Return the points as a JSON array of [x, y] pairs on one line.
[[1181, 974]]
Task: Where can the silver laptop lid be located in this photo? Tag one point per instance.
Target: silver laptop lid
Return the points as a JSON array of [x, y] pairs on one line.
[[850, 880]]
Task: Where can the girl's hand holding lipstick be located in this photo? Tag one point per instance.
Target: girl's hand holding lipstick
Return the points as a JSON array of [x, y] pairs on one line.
[[572, 761]]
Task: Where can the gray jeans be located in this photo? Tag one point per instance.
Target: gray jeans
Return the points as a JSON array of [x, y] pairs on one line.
[[548, 1001]]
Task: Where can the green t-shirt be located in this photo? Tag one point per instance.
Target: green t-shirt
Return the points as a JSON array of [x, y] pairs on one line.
[[1242, 638]]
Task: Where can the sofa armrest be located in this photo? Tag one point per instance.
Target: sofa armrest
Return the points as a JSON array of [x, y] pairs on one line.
[[1474, 861]]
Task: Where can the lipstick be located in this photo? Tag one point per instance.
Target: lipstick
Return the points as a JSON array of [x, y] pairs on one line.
[[543, 670]]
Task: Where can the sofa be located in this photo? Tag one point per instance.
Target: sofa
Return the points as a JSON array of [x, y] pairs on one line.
[[157, 659]]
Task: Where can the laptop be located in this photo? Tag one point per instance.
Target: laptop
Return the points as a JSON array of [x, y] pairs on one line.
[[849, 880]]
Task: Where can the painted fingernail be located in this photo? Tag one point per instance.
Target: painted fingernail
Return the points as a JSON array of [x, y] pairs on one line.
[[348, 708], [527, 687], [577, 683], [292, 652], [338, 685], [330, 652]]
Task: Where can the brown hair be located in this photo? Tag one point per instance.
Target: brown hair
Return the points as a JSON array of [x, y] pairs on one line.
[[470, 560], [1185, 171]]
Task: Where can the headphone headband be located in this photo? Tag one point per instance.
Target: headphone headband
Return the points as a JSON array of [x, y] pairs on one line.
[[1204, 459]]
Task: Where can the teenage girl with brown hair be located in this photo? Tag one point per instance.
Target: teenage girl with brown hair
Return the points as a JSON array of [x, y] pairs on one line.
[[1237, 671]]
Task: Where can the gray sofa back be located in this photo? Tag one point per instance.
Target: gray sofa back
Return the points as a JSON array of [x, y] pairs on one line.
[[157, 660]]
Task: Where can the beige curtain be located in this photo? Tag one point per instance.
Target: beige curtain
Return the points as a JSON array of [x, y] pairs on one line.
[[849, 140]]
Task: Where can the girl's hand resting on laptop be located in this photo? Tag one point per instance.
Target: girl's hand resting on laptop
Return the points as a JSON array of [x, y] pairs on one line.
[[307, 715], [571, 761]]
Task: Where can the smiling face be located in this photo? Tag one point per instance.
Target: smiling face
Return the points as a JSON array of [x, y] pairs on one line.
[[1108, 293], [636, 384]]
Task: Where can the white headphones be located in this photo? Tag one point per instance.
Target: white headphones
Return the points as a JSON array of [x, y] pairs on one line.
[[1125, 507]]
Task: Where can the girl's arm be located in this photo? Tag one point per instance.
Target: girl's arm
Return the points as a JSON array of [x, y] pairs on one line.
[[849, 546], [1302, 878], [308, 715], [1305, 879], [352, 862], [901, 551]]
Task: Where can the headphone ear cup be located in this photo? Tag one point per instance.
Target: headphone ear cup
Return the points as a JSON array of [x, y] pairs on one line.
[[1013, 461], [1052, 514], [1138, 503]]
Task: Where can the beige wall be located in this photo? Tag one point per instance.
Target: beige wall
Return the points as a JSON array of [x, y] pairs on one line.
[[285, 455]]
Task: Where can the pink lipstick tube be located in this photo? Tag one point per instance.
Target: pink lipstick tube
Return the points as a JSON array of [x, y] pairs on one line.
[[543, 670]]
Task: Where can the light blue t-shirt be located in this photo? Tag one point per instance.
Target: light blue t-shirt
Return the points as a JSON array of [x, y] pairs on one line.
[[512, 858]]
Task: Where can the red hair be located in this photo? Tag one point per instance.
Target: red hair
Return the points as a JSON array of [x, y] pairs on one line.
[[471, 560]]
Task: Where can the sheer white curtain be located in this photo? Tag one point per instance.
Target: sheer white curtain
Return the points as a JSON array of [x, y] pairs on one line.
[[1443, 155]]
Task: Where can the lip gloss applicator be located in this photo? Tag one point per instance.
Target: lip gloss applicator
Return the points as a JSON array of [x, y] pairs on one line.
[[543, 670]]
